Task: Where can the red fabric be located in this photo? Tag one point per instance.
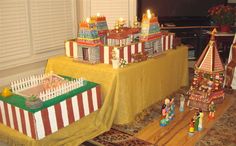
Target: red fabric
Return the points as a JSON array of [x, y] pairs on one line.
[[90, 101]]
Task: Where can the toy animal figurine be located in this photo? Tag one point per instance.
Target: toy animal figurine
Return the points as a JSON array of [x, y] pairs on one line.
[[191, 127], [182, 100], [212, 109], [200, 119]]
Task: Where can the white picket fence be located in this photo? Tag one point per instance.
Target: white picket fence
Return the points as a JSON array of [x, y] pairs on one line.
[[62, 89], [27, 82]]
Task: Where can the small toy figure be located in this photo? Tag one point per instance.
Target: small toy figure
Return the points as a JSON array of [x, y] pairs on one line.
[[172, 108], [200, 119], [6, 92], [167, 111], [196, 119], [212, 109], [191, 127], [182, 100], [163, 110]]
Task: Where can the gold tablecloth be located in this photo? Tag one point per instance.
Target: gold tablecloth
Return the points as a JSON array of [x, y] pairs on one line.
[[125, 91]]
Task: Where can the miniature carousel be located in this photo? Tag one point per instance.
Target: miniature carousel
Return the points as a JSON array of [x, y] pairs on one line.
[[207, 84]]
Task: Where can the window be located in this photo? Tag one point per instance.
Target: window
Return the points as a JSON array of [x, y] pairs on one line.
[[34, 30]]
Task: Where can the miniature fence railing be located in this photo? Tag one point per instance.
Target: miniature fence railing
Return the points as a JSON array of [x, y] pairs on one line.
[[62, 89], [28, 82]]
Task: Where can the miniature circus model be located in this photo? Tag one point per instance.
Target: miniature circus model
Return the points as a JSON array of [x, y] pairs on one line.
[[207, 84], [96, 43], [47, 103]]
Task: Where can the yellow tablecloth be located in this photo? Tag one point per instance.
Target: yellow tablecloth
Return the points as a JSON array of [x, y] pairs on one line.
[[126, 92]]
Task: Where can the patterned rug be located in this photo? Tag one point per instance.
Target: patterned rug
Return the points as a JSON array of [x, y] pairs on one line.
[[117, 138], [223, 133]]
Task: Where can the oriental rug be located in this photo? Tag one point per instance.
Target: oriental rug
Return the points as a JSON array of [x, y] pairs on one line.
[[115, 137]]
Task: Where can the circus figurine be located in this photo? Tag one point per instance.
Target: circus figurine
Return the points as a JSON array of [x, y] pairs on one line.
[[191, 127], [182, 100], [167, 111], [230, 71], [207, 84], [212, 109], [200, 119], [196, 119]]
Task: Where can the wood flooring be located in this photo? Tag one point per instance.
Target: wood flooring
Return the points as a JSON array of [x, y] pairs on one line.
[[176, 133]]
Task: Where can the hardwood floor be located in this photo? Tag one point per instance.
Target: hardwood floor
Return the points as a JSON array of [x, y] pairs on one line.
[[176, 133]]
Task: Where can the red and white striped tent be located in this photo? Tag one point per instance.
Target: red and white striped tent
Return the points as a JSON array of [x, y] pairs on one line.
[[209, 60]]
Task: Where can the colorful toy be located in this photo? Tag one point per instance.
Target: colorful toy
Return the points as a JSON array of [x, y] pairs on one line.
[[207, 84], [95, 42], [167, 111], [196, 119], [150, 34], [6, 92], [182, 100], [212, 109], [41, 98], [191, 127], [200, 120]]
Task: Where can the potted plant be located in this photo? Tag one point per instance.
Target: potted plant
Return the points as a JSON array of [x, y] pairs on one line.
[[223, 16], [115, 60]]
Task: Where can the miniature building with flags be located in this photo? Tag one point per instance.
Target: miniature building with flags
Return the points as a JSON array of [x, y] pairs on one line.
[[207, 84], [150, 34], [88, 42]]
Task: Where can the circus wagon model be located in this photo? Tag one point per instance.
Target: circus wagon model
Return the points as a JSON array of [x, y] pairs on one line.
[[207, 84]]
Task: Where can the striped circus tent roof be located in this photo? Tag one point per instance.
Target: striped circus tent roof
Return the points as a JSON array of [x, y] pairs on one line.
[[210, 61]]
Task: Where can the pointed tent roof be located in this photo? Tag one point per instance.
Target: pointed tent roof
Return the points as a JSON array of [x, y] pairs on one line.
[[210, 61]]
